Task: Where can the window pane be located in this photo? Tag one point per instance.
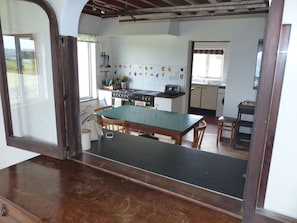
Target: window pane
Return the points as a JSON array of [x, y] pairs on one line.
[[83, 69], [215, 66], [207, 66], [22, 76], [93, 65], [199, 65], [29, 70], [87, 69]]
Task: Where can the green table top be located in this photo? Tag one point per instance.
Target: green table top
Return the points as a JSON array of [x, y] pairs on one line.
[[173, 121]]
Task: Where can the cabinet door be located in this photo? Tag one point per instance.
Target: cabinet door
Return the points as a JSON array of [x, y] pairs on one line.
[[164, 104], [177, 104], [209, 96], [195, 96]]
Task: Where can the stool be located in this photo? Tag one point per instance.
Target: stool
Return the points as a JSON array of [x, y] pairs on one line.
[[226, 124]]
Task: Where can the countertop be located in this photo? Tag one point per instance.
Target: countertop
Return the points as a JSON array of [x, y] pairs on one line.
[[208, 170], [155, 93], [166, 95], [49, 190], [219, 85]]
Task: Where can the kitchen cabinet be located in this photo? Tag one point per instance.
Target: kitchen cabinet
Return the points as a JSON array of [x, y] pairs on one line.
[[196, 96], [105, 95], [204, 97], [169, 104]]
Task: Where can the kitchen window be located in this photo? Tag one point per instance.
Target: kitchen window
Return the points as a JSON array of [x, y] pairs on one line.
[[86, 51], [209, 62]]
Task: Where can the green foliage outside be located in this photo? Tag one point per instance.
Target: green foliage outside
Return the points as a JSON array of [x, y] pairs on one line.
[[30, 79]]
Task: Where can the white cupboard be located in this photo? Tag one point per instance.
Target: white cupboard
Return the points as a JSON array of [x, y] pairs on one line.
[[196, 96], [204, 96], [169, 104]]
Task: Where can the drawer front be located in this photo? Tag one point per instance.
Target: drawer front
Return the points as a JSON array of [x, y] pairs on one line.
[[10, 213]]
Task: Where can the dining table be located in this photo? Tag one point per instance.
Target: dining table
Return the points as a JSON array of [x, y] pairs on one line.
[[148, 120]]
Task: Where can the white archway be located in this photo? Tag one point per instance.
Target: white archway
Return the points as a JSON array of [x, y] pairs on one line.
[[68, 13]]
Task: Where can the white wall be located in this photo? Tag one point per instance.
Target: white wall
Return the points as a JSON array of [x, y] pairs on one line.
[[10, 155], [243, 34], [281, 194], [154, 52]]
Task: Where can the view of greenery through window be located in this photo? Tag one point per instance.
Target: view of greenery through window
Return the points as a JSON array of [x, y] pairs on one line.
[[21, 68]]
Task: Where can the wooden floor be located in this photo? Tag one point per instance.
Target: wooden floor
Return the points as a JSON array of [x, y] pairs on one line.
[[209, 141]]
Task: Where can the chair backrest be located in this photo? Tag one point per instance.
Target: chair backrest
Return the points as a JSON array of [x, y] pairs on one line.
[[200, 133], [113, 124], [101, 109]]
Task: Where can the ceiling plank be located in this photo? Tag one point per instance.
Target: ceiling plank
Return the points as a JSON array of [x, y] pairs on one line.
[[191, 2], [178, 8], [205, 7], [169, 2], [150, 3], [170, 16], [127, 3]]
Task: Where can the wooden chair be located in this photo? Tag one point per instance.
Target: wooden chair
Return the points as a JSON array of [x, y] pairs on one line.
[[226, 124], [198, 134], [113, 124], [101, 109]]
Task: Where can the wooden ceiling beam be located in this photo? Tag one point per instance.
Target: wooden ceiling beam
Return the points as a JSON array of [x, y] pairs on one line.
[[169, 2], [169, 16], [125, 2], [150, 3], [177, 8], [191, 2], [253, 4]]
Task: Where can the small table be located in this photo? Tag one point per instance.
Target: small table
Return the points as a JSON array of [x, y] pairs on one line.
[[167, 123]]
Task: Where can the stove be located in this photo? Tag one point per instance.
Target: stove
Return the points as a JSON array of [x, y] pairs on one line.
[[124, 94], [133, 95]]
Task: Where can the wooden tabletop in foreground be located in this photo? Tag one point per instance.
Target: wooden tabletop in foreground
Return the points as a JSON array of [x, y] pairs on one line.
[[49, 190]]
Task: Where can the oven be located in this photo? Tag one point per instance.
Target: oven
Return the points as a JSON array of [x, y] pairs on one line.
[[133, 97], [121, 97], [144, 98]]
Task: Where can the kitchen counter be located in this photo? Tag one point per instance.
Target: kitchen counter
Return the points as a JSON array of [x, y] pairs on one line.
[[219, 85], [155, 93], [166, 95]]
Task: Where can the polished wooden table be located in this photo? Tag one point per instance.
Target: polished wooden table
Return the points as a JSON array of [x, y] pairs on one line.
[[167, 123], [49, 190]]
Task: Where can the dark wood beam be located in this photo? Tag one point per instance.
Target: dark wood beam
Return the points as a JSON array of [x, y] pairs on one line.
[[204, 7]]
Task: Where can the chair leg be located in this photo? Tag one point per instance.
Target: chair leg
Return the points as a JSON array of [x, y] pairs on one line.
[[219, 133], [232, 135], [195, 138]]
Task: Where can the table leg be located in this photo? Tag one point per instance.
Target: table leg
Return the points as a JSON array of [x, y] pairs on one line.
[[178, 139]]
